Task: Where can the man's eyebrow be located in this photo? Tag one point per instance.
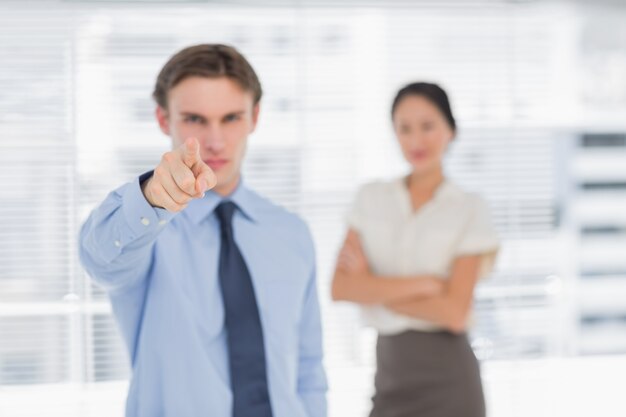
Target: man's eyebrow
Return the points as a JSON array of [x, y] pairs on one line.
[[188, 113], [235, 113], [231, 113]]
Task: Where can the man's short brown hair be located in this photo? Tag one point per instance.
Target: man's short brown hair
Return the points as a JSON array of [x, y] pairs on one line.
[[206, 60]]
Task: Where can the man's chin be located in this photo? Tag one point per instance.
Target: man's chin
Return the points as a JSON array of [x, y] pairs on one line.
[[226, 184]]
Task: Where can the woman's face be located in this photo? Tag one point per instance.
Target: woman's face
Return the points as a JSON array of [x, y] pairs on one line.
[[423, 132]]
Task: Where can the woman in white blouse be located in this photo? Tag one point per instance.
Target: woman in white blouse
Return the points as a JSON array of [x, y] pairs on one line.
[[415, 249]]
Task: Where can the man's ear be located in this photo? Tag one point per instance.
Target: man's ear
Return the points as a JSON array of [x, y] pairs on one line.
[[255, 116], [163, 119]]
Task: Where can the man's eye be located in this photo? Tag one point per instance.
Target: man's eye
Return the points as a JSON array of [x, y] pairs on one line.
[[193, 119]]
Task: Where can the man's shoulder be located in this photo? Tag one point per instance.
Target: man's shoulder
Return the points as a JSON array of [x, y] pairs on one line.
[[283, 225], [270, 212]]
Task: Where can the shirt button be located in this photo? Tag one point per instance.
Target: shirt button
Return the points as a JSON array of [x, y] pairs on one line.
[[145, 221], [162, 222], [117, 243]]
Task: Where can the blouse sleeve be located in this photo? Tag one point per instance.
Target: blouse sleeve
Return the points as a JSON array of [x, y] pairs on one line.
[[356, 213], [480, 237]]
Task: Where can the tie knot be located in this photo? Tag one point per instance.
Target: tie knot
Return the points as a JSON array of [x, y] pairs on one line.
[[225, 213]]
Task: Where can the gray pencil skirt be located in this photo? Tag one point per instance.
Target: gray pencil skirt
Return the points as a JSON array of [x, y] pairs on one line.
[[424, 374]]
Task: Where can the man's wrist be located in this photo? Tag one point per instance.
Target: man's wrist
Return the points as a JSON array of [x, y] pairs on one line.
[[144, 180]]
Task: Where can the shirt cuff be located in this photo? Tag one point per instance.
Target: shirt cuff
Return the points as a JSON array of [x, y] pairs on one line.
[[140, 216]]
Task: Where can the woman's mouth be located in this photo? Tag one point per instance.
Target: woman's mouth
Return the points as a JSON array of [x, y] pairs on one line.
[[419, 155]]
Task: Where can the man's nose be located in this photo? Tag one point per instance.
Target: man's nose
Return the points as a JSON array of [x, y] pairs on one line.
[[213, 139]]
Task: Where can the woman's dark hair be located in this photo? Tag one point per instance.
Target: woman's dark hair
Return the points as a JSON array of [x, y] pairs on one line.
[[431, 92]]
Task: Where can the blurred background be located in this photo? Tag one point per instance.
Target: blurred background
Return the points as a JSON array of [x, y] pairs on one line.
[[539, 90]]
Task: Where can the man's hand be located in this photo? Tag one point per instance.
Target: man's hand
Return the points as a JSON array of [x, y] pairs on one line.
[[180, 177]]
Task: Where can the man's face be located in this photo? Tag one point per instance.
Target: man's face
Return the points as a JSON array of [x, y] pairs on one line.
[[220, 115]]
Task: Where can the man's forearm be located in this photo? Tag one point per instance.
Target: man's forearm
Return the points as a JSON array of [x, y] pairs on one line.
[[116, 239]]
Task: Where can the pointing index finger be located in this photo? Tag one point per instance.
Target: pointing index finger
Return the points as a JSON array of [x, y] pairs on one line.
[[191, 152]]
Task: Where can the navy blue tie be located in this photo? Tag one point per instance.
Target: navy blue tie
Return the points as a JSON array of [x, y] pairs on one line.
[[248, 373]]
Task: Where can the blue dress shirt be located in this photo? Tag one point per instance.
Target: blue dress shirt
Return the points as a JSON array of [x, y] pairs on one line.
[[160, 271]]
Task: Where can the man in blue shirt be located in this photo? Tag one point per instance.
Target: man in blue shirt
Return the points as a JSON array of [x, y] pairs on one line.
[[213, 286]]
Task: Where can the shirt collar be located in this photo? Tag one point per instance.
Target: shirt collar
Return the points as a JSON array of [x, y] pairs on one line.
[[242, 196], [444, 191], [446, 188]]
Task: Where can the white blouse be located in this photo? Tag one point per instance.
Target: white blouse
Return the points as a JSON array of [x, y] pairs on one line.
[[400, 242]]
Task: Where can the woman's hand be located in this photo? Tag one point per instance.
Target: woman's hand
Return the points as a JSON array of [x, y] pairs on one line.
[[451, 308], [354, 281], [352, 259]]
